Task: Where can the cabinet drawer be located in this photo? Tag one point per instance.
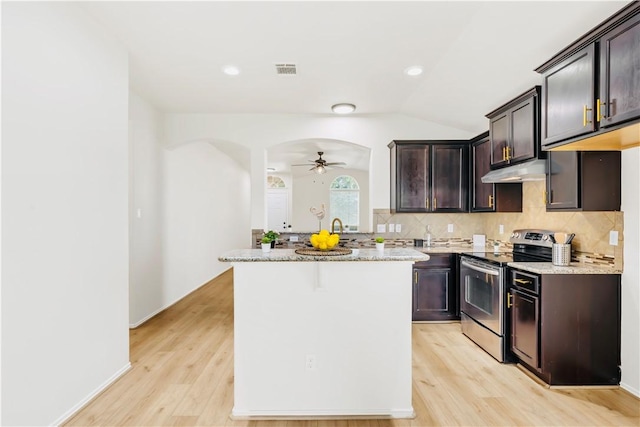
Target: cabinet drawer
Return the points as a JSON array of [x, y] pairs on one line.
[[435, 261], [525, 281]]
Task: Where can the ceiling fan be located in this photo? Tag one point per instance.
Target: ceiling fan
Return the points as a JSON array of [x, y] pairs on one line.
[[320, 164]]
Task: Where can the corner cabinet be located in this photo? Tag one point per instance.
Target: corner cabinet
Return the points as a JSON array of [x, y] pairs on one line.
[[583, 181], [593, 86], [435, 294], [429, 176], [514, 130], [490, 197]]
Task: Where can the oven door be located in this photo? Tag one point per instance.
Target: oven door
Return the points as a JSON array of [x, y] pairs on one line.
[[482, 293]]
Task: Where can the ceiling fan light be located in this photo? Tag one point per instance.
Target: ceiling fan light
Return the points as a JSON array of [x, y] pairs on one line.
[[320, 169], [343, 108]]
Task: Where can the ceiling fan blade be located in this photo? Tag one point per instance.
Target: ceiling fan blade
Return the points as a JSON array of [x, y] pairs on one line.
[[303, 164], [335, 164]]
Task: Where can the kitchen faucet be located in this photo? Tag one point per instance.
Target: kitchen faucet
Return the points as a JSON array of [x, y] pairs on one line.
[[333, 224]]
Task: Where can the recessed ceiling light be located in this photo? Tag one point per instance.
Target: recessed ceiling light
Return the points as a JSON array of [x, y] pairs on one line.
[[343, 108], [231, 70], [413, 71]]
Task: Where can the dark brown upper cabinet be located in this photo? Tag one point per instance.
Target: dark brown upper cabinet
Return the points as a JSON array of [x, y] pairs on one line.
[[620, 74], [429, 176], [591, 90], [514, 130], [490, 197], [583, 181]]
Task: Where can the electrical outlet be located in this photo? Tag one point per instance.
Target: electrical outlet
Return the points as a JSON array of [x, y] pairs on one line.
[[501, 229], [398, 228], [310, 362], [450, 228], [613, 238], [392, 228], [382, 228]]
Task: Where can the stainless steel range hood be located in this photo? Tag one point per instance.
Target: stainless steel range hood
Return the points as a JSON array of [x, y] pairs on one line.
[[534, 170]]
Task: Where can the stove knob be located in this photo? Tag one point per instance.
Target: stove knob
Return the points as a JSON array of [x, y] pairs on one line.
[[515, 235], [545, 238]]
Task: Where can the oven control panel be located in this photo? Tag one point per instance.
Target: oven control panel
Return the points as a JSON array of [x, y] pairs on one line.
[[532, 237]]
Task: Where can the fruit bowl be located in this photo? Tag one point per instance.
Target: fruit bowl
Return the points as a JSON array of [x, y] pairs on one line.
[[324, 241]]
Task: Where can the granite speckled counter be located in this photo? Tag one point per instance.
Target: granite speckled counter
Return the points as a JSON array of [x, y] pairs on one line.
[[289, 255], [573, 268]]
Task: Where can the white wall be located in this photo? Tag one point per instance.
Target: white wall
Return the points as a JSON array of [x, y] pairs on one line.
[[206, 212], [631, 275], [64, 217], [260, 131], [313, 190], [145, 212]]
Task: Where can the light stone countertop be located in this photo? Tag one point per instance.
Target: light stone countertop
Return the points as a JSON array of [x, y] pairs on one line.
[[289, 255], [573, 268]]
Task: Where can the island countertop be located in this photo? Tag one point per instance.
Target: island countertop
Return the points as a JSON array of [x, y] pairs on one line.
[[289, 255]]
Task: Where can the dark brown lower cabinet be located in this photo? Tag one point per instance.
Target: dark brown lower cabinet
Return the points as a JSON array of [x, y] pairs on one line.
[[435, 294], [569, 333]]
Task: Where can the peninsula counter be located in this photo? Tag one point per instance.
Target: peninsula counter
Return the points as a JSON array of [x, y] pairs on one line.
[[322, 336]]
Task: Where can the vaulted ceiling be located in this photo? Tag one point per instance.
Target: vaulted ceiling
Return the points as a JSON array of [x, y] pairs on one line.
[[476, 55]]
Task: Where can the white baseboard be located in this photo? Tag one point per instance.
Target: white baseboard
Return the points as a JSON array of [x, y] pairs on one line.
[[366, 414], [144, 319], [630, 389], [78, 406]]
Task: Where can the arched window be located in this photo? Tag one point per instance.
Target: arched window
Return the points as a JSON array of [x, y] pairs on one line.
[[344, 201], [275, 182]]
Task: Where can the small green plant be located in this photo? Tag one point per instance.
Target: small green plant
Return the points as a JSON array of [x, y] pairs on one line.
[[271, 235], [379, 239], [265, 239]]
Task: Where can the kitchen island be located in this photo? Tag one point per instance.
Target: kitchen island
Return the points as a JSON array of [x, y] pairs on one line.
[[322, 336]]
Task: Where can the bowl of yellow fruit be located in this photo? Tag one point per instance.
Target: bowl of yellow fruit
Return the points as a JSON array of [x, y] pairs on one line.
[[324, 241]]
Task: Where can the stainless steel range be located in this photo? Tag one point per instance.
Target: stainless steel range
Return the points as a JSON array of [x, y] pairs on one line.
[[483, 289]]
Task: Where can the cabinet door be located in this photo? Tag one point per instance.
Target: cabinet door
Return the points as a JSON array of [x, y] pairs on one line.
[[523, 131], [525, 331], [499, 131], [563, 190], [434, 296], [483, 194], [413, 179], [620, 73], [568, 97], [450, 178]]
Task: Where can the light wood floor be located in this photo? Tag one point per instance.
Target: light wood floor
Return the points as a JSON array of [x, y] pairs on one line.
[[182, 375]]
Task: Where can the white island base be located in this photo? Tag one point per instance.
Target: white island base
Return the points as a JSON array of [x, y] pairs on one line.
[[322, 339]]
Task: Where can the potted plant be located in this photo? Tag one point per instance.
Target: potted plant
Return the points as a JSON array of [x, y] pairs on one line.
[[266, 244], [272, 236], [380, 243]]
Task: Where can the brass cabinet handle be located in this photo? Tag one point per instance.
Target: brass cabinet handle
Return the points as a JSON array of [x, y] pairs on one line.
[[415, 276], [426, 203], [490, 200], [504, 153], [508, 149], [545, 200], [584, 115], [434, 204], [524, 282], [599, 115], [509, 303]]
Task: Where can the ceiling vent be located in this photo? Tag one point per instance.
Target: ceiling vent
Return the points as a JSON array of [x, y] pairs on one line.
[[286, 69]]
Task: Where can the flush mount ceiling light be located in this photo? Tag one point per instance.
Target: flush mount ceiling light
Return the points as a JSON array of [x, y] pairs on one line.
[[413, 71], [343, 109], [271, 169], [231, 70]]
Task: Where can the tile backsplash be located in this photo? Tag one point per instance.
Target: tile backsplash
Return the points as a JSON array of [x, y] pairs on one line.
[[591, 228]]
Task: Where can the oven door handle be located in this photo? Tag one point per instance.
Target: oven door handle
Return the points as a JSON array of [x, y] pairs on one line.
[[480, 269]]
